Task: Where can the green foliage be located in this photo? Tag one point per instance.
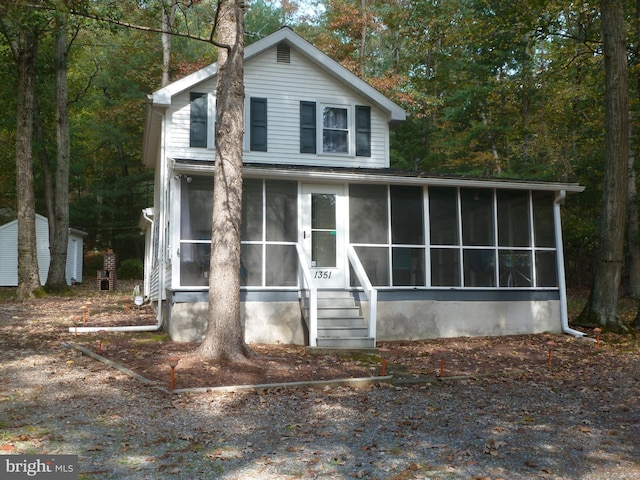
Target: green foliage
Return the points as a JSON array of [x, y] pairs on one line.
[[131, 269], [92, 262]]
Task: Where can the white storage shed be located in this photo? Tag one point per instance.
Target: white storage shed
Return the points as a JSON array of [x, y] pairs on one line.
[[9, 252]]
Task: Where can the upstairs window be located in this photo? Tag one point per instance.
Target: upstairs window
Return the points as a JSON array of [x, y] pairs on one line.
[[344, 130], [198, 120], [363, 131], [307, 127], [335, 130], [258, 124]]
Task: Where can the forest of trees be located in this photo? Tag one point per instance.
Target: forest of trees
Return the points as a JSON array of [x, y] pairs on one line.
[[493, 88]]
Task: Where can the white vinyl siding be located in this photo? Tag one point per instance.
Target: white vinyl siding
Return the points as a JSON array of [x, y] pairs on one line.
[[9, 253], [179, 122], [284, 85]]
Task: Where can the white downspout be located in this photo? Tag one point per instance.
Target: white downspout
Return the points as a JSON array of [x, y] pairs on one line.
[[562, 283], [148, 255], [161, 255]]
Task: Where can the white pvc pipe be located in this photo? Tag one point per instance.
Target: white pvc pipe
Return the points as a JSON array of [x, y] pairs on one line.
[[562, 283], [126, 328]]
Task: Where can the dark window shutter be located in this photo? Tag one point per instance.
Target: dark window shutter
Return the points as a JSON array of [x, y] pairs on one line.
[[198, 127], [258, 124], [307, 127], [363, 131]]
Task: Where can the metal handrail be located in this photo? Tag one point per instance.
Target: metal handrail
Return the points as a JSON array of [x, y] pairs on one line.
[[370, 292], [304, 279]]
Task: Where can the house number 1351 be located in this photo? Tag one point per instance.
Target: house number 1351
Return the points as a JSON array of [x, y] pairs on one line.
[[322, 274]]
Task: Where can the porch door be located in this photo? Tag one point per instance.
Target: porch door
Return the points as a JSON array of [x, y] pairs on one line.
[[323, 225]]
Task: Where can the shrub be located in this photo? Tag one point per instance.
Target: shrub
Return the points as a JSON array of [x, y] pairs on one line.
[[131, 269], [93, 261]]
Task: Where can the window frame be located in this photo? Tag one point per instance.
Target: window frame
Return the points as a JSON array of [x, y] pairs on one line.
[[348, 130], [198, 118], [312, 132], [258, 122]]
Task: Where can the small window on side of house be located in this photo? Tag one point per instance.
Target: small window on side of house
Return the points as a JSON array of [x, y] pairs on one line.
[[198, 120], [258, 124], [307, 127], [363, 131]]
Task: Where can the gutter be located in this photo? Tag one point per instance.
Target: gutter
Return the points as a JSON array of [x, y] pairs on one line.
[[562, 283]]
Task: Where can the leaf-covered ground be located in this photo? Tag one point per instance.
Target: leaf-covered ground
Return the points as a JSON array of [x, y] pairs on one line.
[[504, 408], [47, 322]]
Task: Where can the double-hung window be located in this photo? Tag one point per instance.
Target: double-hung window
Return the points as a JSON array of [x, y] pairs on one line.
[[198, 120], [258, 124], [338, 129], [335, 130]]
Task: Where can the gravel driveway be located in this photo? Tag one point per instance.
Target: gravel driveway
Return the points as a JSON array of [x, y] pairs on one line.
[[531, 425]]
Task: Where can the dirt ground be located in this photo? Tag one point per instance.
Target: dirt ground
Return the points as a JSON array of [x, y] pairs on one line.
[[511, 407], [49, 320]]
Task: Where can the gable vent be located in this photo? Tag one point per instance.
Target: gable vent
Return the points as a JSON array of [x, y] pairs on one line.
[[283, 53]]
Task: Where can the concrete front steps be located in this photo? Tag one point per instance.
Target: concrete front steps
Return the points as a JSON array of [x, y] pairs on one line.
[[340, 323]]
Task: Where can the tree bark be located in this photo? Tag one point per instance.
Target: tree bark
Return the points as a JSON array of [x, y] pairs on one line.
[[26, 54], [363, 39], [602, 308], [168, 19], [59, 224], [634, 227], [224, 337]]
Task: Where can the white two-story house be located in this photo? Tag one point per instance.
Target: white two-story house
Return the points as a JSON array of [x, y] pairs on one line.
[[337, 248]]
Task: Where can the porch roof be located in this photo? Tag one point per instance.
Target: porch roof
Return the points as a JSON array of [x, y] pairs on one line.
[[376, 175]]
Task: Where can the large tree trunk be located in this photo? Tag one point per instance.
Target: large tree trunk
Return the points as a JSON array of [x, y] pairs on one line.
[[26, 52], [602, 308], [634, 227], [59, 224], [363, 39], [224, 338], [168, 20]]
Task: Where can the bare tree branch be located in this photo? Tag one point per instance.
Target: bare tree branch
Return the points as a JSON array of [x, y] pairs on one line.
[[143, 28]]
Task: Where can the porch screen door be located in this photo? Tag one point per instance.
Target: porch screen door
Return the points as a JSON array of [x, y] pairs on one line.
[[323, 234]]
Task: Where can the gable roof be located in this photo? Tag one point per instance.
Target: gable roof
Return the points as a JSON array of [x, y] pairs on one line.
[[161, 99], [163, 96]]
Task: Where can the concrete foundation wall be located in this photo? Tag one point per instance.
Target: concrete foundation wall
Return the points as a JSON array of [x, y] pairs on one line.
[[415, 320], [280, 321], [264, 322]]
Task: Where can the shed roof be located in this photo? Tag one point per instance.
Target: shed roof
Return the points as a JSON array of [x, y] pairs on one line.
[[379, 175]]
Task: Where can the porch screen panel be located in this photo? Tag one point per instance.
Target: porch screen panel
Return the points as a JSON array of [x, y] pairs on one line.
[[445, 267], [443, 216], [546, 270], [406, 215], [513, 218], [375, 261], [477, 216], [479, 267], [368, 219], [515, 268], [281, 265], [408, 266], [252, 201], [195, 229], [282, 210], [543, 224], [251, 265]]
